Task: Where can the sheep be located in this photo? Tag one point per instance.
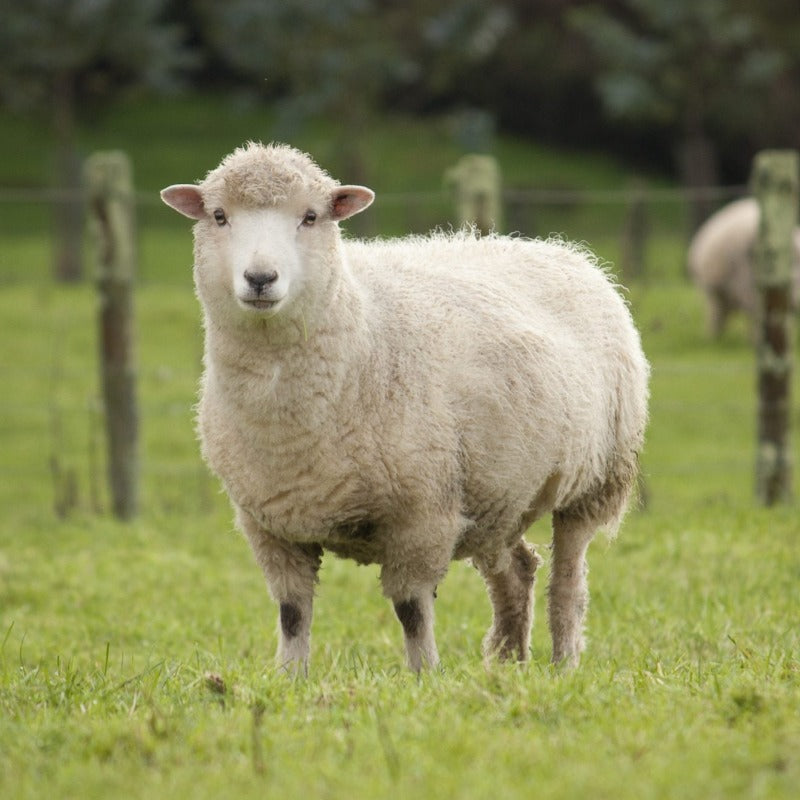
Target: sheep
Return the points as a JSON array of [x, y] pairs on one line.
[[720, 262], [407, 402]]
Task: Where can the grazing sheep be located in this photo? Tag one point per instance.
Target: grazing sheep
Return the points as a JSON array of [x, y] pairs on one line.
[[407, 402], [720, 262]]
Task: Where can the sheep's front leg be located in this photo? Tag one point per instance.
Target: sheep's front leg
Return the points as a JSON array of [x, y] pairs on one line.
[[416, 616], [412, 568], [291, 573]]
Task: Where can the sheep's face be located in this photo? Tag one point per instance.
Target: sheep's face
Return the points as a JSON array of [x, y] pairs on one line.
[[258, 260], [260, 256]]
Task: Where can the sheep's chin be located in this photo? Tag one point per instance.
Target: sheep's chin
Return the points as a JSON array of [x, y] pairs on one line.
[[261, 305]]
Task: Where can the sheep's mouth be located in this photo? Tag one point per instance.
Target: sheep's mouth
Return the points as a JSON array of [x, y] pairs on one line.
[[260, 304]]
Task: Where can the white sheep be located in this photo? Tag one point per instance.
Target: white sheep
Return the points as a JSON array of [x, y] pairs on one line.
[[720, 262], [407, 402]]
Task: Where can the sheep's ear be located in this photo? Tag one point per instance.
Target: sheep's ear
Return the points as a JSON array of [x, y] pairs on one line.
[[186, 199], [349, 200]]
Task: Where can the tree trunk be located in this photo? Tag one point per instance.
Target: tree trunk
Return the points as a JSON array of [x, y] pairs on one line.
[[68, 208], [698, 169]]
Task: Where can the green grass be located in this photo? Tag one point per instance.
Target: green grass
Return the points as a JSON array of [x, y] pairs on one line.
[[136, 659], [690, 685]]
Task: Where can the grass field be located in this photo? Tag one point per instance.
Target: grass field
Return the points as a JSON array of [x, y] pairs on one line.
[[136, 659]]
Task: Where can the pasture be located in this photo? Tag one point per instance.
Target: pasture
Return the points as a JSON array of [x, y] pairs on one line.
[[136, 659]]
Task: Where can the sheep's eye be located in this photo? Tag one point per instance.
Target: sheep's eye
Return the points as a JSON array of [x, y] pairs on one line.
[[219, 216], [309, 218]]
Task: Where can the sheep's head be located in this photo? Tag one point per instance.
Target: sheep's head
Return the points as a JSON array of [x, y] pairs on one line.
[[267, 219]]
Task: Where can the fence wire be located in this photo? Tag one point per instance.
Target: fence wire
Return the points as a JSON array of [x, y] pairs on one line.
[[172, 471]]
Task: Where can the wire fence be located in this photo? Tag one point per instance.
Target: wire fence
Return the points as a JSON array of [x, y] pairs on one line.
[[623, 196], [63, 429], [641, 229], [718, 421]]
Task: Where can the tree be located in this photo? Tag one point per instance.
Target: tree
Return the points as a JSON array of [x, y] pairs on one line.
[[343, 60], [681, 64], [59, 58]]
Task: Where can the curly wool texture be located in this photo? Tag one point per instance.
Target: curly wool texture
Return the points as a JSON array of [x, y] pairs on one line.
[[258, 175], [465, 378], [543, 368]]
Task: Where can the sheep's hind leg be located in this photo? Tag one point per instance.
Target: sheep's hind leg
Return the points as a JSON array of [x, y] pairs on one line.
[[291, 573], [717, 311], [569, 593], [511, 593]]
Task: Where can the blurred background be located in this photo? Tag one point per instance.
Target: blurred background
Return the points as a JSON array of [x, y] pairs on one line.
[[628, 98], [622, 124]]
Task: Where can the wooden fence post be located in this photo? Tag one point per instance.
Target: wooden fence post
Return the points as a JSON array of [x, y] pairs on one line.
[[111, 210], [477, 187], [775, 185]]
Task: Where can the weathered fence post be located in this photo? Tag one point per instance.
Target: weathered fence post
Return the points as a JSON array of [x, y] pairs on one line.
[[775, 185], [110, 194], [477, 188]]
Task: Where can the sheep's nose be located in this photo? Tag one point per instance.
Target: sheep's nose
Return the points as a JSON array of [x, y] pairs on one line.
[[258, 280]]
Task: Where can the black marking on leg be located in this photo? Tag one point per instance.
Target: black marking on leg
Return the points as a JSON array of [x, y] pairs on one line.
[[410, 616], [290, 620]]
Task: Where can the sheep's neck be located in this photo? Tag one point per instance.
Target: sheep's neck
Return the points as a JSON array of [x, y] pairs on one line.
[[268, 364]]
